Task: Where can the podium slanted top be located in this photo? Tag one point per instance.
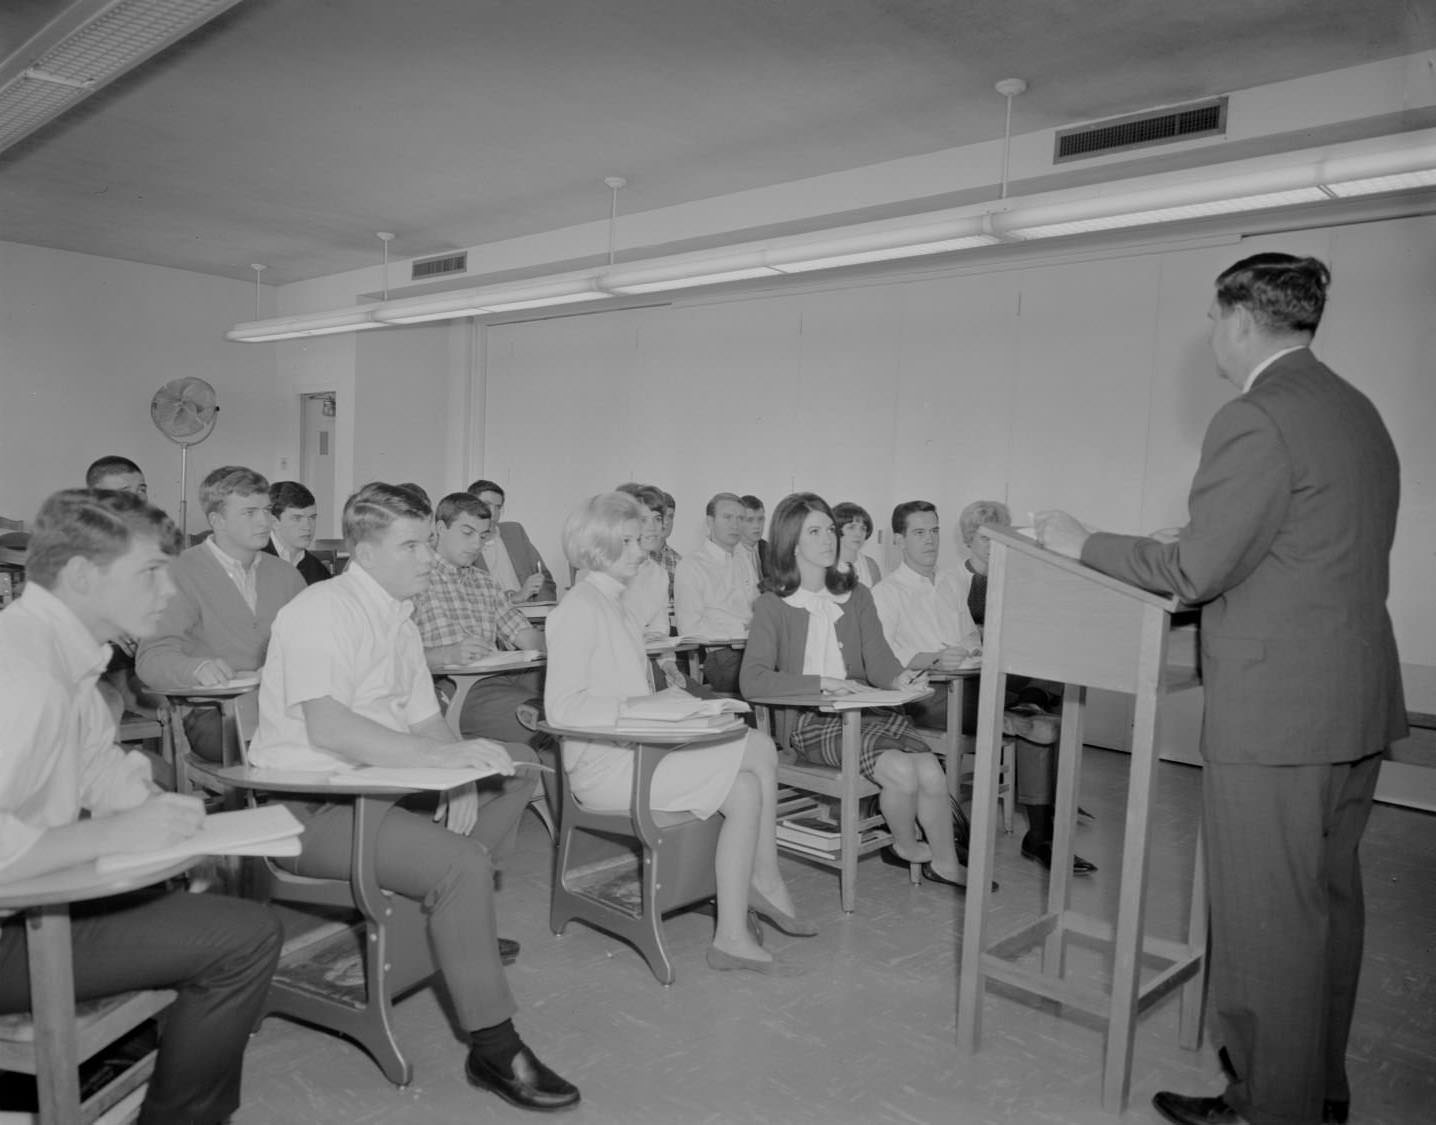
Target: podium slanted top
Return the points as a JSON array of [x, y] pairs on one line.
[[1023, 545]]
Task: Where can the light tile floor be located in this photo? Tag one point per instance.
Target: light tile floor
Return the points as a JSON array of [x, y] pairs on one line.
[[868, 1034]]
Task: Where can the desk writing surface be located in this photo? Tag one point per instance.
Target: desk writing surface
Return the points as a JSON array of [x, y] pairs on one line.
[[83, 882], [678, 737]]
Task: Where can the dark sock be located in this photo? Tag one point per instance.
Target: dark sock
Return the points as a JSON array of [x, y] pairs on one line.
[[498, 1044]]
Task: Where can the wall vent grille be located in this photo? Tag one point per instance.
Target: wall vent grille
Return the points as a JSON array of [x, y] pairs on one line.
[[1142, 130], [424, 268]]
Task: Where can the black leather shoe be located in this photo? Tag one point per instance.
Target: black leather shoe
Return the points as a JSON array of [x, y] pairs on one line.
[[528, 1085], [1183, 1110], [1334, 1112], [932, 876], [961, 832], [1042, 853], [508, 950]]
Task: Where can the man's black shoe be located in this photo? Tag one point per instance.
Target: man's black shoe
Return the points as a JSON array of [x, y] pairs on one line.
[[1183, 1110], [508, 950], [1042, 853], [1334, 1112], [528, 1085]]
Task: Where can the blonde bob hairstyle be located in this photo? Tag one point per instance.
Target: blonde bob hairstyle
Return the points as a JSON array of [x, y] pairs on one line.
[[593, 535]]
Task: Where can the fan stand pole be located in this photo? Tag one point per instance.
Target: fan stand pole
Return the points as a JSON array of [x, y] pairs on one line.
[[184, 496]]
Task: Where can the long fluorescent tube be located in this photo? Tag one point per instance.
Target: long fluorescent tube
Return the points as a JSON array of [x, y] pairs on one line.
[[488, 299], [308, 324], [693, 280], [1167, 214], [891, 253], [1404, 181]]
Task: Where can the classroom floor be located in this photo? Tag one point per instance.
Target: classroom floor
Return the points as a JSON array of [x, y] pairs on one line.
[[867, 1034]]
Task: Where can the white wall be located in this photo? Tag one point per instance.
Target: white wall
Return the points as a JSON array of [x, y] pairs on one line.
[[86, 341], [1084, 385]]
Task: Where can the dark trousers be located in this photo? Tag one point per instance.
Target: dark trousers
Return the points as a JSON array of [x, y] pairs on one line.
[[1036, 765], [218, 953], [489, 708], [1287, 926], [720, 669], [451, 876]]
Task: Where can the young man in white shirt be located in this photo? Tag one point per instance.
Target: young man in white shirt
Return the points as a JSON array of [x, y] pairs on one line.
[[347, 684], [227, 592], [714, 588], [98, 568], [755, 516]]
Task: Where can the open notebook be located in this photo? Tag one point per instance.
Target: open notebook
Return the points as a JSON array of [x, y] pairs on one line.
[[269, 830]]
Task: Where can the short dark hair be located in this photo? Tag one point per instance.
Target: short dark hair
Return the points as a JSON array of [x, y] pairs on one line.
[[752, 503], [96, 524], [1284, 293], [650, 497], [417, 490], [669, 504], [286, 494], [371, 510], [227, 481], [847, 512], [457, 503], [718, 498], [786, 526], [907, 508], [485, 486], [110, 465]]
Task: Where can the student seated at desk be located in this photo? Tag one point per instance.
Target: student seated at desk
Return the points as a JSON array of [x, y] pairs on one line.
[[596, 662], [347, 683], [98, 569], [817, 630], [509, 556], [122, 691], [665, 553], [228, 590], [754, 517], [855, 528], [294, 513], [463, 616], [714, 588]]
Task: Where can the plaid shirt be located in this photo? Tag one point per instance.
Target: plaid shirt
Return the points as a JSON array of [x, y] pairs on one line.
[[465, 602]]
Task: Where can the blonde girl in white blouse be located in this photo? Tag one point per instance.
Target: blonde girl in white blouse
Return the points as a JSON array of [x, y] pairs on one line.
[[596, 661]]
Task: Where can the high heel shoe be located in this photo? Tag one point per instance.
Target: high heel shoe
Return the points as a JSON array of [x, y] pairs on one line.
[[730, 962], [760, 907]]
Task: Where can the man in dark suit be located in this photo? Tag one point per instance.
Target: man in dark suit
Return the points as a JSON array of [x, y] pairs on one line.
[[1292, 517], [510, 558]]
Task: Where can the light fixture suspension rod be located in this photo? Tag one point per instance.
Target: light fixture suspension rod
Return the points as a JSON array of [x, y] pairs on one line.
[[258, 269], [1009, 88], [386, 237], [614, 183]]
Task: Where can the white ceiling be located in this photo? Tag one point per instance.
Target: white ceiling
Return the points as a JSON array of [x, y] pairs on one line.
[[289, 131]]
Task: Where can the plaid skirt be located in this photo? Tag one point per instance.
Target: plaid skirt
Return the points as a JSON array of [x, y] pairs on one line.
[[817, 737]]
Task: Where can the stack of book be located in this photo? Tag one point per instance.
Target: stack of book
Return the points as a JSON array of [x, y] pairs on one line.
[[809, 832], [675, 712]]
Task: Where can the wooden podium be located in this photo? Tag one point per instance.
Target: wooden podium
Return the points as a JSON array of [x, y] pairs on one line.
[[1055, 619]]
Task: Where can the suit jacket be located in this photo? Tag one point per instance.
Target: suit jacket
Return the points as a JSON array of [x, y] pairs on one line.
[[311, 568], [526, 559], [208, 618], [1292, 515]]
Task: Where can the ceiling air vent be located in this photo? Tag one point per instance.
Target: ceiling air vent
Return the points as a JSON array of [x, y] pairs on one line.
[[1142, 130], [424, 268]]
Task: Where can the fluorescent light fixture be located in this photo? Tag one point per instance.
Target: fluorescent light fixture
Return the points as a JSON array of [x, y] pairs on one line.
[[1404, 181], [543, 302], [888, 254], [309, 324], [694, 280], [1175, 214], [87, 45], [488, 299]]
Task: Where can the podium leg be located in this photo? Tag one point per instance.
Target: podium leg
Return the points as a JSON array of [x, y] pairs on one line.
[[1136, 839], [1193, 997], [981, 848], [1069, 771]]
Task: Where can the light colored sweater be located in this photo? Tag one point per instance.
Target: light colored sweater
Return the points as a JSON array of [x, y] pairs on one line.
[[208, 619]]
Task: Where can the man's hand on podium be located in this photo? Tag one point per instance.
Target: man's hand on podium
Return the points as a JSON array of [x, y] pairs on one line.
[[1060, 533]]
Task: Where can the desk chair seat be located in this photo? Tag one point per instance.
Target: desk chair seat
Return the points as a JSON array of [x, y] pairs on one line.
[[98, 1023], [622, 871], [858, 835]]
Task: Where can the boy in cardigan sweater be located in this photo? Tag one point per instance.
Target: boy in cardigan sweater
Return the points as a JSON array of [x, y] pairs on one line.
[[227, 592]]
